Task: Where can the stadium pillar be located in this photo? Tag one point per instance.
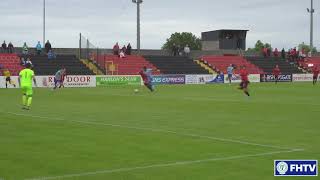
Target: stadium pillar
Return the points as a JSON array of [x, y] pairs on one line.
[[87, 53], [44, 22], [138, 2], [311, 11], [80, 47]]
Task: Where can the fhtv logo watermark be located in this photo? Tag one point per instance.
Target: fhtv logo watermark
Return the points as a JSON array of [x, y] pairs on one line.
[[296, 168]]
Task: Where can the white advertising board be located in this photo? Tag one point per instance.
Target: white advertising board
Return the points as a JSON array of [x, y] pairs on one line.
[[48, 81], [254, 78]]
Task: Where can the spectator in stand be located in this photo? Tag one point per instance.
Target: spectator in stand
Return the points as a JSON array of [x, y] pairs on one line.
[[129, 48], [51, 55], [180, 50], [298, 55], [283, 54], [28, 61], [25, 50], [116, 49], [38, 48], [265, 52], [122, 54], [303, 51], [48, 46], [10, 48], [295, 54], [300, 66], [124, 49], [22, 61], [4, 47], [291, 55], [302, 54], [187, 50], [175, 49], [269, 50], [310, 54], [276, 53]]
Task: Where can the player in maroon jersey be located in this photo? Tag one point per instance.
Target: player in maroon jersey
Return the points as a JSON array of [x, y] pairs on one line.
[[244, 80], [63, 76], [276, 72], [315, 71], [146, 75]]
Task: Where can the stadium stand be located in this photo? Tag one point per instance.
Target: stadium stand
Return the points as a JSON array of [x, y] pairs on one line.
[[130, 65], [176, 65], [268, 64], [308, 63], [222, 63], [11, 62], [43, 66]]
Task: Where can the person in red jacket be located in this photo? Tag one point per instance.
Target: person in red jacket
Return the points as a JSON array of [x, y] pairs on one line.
[[116, 49], [265, 52], [315, 71], [276, 52], [244, 80], [276, 72]]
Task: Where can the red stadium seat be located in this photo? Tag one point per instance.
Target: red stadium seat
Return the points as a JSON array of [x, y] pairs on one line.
[[11, 62], [130, 65], [222, 63]]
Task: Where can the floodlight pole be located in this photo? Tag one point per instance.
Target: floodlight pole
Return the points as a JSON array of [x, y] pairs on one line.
[[311, 11], [138, 2], [44, 22]]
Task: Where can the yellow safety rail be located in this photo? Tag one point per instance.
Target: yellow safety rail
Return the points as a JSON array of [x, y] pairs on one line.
[[92, 67], [205, 66]]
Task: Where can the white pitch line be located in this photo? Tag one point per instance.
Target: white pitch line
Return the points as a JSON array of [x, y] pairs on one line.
[[154, 130], [193, 98], [179, 163]]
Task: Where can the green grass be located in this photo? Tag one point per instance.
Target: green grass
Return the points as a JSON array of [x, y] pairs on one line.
[[119, 135]]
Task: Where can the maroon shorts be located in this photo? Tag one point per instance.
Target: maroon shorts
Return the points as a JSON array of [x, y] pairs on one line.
[[315, 77], [244, 84], [146, 83]]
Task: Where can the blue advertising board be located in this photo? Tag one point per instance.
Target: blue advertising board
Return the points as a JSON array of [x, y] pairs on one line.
[[271, 78], [295, 168], [169, 79], [218, 79]]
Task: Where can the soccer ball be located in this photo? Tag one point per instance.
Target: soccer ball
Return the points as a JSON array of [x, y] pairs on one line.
[[136, 90]]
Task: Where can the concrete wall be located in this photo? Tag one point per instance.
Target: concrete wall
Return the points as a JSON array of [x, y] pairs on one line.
[[194, 54], [317, 54], [210, 45], [65, 51]]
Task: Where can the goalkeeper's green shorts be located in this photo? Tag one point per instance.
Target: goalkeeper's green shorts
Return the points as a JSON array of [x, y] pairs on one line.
[[27, 90]]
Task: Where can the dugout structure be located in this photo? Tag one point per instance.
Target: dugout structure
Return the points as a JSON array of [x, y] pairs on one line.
[[224, 39]]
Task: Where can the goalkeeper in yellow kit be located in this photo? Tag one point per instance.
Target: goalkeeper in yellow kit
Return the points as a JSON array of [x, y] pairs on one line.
[[6, 73], [25, 80]]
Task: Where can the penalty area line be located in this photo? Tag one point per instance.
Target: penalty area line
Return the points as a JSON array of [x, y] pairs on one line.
[[155, 130], [178, 163], [212, 99]]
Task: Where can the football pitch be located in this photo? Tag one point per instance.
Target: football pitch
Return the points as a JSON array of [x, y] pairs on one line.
[[196, 132]]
